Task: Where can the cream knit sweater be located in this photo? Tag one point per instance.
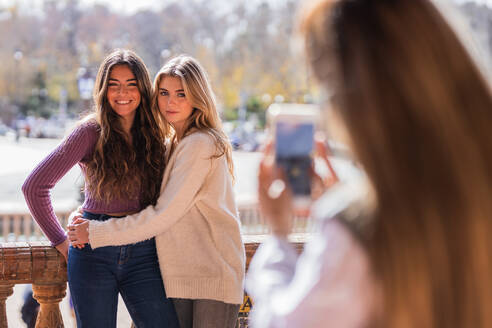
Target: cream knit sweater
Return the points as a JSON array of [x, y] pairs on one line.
[[195, 223]]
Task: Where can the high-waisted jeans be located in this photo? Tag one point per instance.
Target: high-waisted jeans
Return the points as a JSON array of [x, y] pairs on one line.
[[96, 276]]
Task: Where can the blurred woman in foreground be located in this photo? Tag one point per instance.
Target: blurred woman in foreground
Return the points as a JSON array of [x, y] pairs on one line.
[[411, 249]]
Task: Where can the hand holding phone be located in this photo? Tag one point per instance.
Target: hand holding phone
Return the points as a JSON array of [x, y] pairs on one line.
[[293, 128]]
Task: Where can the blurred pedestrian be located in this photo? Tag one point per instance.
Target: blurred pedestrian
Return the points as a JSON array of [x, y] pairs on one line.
[[30, 308]]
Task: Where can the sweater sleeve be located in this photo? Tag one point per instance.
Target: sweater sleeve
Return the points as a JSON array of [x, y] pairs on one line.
[[188, 174], [37, 187], [314, 289]]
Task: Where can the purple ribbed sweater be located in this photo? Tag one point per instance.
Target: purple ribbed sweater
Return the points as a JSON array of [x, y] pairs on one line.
[[77, 148]]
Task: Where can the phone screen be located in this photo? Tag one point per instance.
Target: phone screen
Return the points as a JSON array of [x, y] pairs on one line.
[[293, 147]]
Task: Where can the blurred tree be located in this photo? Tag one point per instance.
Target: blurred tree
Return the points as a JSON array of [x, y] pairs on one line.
[[37, 103], [248, 48]]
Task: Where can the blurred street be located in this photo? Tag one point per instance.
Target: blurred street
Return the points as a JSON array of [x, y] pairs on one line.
[[19, 158]]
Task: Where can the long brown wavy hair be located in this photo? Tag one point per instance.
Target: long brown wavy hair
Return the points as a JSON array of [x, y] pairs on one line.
[[121, 168], [198, 91], [418, 112]]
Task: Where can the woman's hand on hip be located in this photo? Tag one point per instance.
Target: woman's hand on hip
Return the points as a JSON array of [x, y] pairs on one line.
[[63, 249]]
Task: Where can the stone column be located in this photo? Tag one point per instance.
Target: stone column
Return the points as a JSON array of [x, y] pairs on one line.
[[5, 291], [49, 297]]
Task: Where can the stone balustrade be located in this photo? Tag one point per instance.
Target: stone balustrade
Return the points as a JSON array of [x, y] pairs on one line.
[[21, 227], [41, 265]]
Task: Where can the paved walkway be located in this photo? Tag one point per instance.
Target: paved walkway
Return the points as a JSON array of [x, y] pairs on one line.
[[20, 158]]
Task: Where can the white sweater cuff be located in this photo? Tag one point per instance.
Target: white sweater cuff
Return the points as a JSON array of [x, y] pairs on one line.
[[98, 236]]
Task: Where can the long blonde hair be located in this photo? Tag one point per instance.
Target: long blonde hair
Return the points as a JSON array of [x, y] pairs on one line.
[[418, 112], [198, 91]]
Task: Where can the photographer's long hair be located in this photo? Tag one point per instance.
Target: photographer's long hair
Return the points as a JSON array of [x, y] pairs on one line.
[[418, 112]]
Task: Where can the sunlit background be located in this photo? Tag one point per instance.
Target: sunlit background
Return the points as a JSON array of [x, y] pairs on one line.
[[50, 51]]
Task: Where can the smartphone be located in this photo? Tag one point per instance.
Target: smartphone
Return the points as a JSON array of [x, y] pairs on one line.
[[293, 127]]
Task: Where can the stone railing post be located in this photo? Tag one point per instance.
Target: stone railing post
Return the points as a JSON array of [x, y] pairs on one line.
[[49, 284], [5, 291], [48, 297], [41, 265]]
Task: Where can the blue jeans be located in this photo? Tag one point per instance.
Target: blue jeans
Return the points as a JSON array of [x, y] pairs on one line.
[[96, 276]]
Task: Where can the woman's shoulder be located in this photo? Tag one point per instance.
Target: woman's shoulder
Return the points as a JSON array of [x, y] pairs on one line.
[[84, 132], [199, 138], [87, 126]]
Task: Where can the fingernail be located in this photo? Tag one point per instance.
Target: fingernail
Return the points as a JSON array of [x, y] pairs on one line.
[[276, 189]]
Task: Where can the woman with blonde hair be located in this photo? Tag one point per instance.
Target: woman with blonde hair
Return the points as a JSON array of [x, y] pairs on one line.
[[195, 221], [120, 150], [414, 250]]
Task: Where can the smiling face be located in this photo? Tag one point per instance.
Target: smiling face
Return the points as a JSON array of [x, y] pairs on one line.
[[123, 93], [173, 103]]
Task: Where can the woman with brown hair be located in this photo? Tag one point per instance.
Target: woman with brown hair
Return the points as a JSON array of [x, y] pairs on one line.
[[120, 149], [411, 248]]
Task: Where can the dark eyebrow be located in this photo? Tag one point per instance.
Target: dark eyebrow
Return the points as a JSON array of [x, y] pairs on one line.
[[111, 79], [164, 89]]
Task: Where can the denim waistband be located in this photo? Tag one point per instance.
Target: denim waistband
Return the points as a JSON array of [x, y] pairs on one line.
[[98, 217]]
